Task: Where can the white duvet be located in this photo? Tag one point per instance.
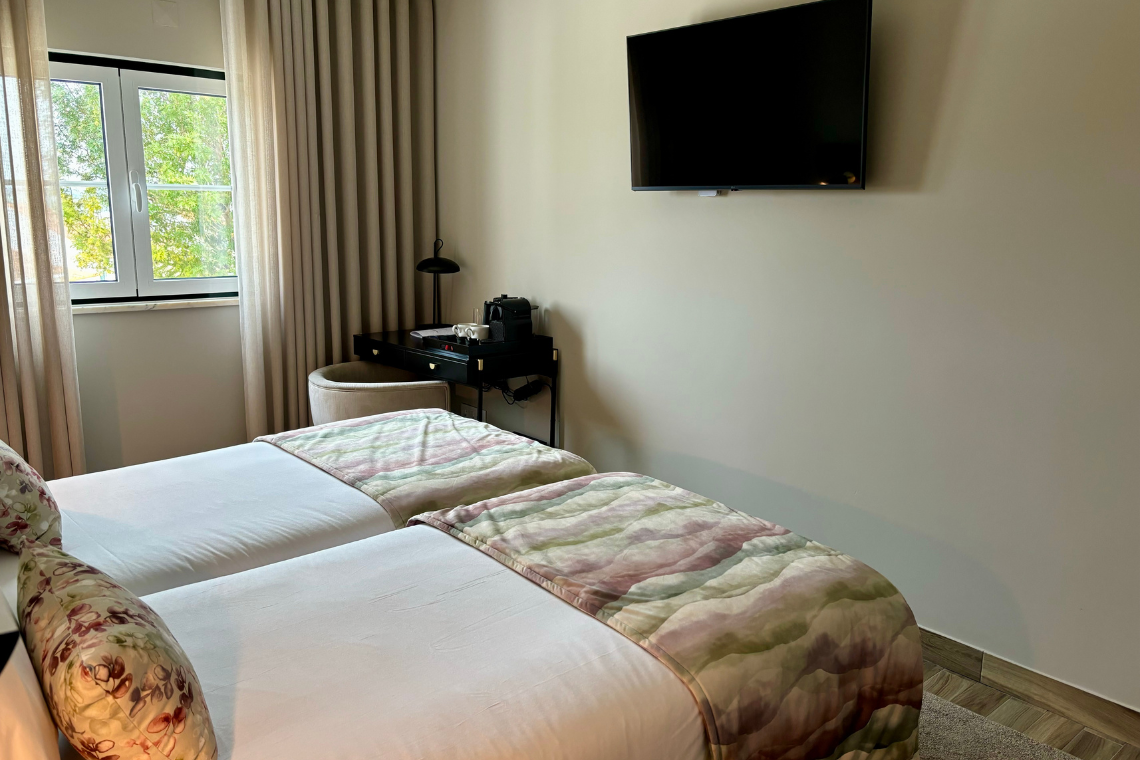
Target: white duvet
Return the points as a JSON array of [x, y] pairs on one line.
[[156, 526], [413, 645]]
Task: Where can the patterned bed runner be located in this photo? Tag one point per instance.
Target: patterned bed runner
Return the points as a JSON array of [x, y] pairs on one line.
[[792, 650], [427, 459]]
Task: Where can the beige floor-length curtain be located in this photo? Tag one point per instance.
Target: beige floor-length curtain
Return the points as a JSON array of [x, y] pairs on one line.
[[331, 107], [39, 416]]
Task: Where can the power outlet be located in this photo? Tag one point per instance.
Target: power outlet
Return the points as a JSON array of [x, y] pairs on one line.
[[470, 411]]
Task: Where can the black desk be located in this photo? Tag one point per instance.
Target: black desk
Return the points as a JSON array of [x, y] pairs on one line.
[[479, 366]]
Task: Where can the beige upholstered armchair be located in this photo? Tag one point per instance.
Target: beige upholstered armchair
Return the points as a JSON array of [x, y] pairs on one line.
[[360, 389]]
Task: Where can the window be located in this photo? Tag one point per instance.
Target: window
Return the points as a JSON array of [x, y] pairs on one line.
[[144, 161]]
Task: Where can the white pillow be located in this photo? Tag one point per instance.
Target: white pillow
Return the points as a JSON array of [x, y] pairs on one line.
[[26, 728]]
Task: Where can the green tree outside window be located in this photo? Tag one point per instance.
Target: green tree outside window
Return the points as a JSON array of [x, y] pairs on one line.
[[186, 142], [83, 159]]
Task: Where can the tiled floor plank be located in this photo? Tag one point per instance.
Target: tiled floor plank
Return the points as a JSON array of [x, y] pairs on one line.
[[1102, 715], [947, 685], [1127, 752], [980, 699], [1015, 714], [936, 680], [1089, 746], [1032, 720], [1054, 730]]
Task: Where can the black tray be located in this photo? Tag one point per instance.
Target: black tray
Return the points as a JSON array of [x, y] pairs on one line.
[[467, 348]]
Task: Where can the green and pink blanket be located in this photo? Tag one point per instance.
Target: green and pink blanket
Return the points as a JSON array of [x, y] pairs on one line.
[[792, 650], [428, 459]]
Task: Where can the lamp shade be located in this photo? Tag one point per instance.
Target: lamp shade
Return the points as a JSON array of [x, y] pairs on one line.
[[437, 265]]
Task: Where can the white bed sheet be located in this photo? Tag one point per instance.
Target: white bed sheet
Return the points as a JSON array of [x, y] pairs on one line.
[[415, 645], [164, 524]]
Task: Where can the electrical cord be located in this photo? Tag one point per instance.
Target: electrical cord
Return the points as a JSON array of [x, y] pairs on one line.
[[532, 388], [517, 395], [504, 387]]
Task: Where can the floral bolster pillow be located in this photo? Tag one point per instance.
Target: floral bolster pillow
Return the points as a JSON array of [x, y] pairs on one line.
[[27, 510], [116, 682], [26, 729]]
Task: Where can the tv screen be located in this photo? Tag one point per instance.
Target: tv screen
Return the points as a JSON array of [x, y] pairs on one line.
[[776, 99]]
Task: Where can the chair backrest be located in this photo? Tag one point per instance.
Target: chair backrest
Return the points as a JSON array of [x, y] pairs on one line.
[[361, 389]]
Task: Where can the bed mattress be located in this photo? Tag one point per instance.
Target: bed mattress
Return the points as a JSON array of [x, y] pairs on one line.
[[164, 524], [414, 645]]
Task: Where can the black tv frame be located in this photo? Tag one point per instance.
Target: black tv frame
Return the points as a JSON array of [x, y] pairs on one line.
[[861, 185]]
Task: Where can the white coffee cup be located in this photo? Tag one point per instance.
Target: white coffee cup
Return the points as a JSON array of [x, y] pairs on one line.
[[472, 331], [462, 328]]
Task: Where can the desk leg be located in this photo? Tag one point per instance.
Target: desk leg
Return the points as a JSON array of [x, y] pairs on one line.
[[553, 405], [479, 411]]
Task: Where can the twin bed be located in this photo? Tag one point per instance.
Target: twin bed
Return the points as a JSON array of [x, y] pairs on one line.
[[412, 645], [317, 629], [179, 521]]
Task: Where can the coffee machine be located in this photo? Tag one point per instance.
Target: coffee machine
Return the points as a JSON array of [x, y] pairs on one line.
[[509, 319]]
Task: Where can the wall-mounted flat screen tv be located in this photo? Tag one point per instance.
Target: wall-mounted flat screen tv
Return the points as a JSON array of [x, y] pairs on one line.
[[776, 99]]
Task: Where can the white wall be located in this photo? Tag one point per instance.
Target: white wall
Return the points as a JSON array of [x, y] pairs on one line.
[[153, 384], [127, 28], [159, 384], [939, 375]]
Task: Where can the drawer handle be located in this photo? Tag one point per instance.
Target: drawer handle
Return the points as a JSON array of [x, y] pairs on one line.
[[431, 366], [375, 352]]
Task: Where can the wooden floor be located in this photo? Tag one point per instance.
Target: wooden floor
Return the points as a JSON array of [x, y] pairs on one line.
[[1034, 722]]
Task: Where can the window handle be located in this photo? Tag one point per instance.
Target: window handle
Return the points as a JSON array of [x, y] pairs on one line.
[[137, 191]]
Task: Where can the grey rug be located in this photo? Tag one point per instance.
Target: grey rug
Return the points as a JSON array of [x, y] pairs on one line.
[[949, 732]]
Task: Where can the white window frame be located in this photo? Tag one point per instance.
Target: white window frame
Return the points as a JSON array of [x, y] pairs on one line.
[[131, 82], [126, 172], [124, 284]]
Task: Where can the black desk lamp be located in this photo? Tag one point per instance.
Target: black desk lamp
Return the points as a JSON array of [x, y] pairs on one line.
[[435, 266]]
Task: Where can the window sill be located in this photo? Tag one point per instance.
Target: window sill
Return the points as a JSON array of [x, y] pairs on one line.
[[189, 303]]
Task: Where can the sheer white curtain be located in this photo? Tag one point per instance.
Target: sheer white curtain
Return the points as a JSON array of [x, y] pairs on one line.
[[332, 125], [39, 416]]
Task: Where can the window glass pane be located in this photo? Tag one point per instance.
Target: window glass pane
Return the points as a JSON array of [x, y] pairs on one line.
[[186, 148], [80, 145], [191, 233]]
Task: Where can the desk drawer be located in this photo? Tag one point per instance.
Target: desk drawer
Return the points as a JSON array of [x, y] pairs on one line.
[[431, 366], [384, 353]]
